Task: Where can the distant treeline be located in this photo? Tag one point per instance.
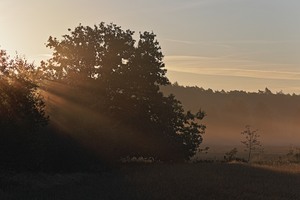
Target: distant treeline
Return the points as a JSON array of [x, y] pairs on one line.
[[276, 115], [266, 91]]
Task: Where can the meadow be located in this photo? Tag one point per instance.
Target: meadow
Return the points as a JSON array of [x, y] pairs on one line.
[[213, 180]]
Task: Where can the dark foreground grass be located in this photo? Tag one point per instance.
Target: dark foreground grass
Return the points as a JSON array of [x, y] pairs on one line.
[[155, 181]]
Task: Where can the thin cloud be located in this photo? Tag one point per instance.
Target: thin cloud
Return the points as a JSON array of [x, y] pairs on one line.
[[221, 66], [256, 41], [226, 43], [198, 3], [240, 59], [268, 75], [207, 43]]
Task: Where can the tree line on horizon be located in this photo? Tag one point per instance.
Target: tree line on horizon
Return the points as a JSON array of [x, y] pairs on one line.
[[276, 115], [100, 92], [266, 91]]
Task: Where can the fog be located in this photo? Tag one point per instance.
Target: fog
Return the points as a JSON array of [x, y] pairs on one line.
[[276, 116]]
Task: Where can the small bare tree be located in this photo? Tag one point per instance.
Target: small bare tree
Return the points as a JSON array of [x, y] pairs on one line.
[[251, 141]]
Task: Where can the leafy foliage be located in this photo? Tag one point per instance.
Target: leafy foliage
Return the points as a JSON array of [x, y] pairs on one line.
[[21, 109], [120, 79]]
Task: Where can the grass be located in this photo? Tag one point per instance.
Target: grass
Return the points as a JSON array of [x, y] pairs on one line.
[[291, 168], [157, 181]]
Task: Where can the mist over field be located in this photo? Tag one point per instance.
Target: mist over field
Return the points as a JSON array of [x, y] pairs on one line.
[[275, 115]]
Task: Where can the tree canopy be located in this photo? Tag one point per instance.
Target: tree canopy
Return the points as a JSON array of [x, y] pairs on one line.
[[118, 77]]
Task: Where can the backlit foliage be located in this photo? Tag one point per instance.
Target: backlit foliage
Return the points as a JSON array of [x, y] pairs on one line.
[[120, 78], [21, 105], [21, 112]]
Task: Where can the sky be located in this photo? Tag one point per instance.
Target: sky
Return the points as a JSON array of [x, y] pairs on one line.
[[218, 44]]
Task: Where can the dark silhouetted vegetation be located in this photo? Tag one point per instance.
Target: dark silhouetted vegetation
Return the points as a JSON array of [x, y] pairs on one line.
[[294, 155], [22, 113], [26, 142], [251, 141], [230, 155], [110, 86]]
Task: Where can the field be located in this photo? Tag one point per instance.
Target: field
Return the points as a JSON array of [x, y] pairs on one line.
[[158, 181]]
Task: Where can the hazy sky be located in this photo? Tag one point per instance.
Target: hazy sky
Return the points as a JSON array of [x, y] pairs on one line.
[[218, 44]]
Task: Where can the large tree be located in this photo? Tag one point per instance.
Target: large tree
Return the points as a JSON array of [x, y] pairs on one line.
[[120, 79]]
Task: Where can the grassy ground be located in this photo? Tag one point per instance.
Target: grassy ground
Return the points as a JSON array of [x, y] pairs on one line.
[[158, 181]]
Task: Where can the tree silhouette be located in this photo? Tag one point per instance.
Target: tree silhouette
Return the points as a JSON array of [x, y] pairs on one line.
[[120, 78], [21, 109], [251, 141]]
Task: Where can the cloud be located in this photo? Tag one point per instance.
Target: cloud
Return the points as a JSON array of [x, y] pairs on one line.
[[256, 41], [228, 66], [207, 43], [229, 43], [197, 3]]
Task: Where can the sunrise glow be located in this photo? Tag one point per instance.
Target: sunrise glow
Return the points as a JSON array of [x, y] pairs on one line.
[[212, 40]]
